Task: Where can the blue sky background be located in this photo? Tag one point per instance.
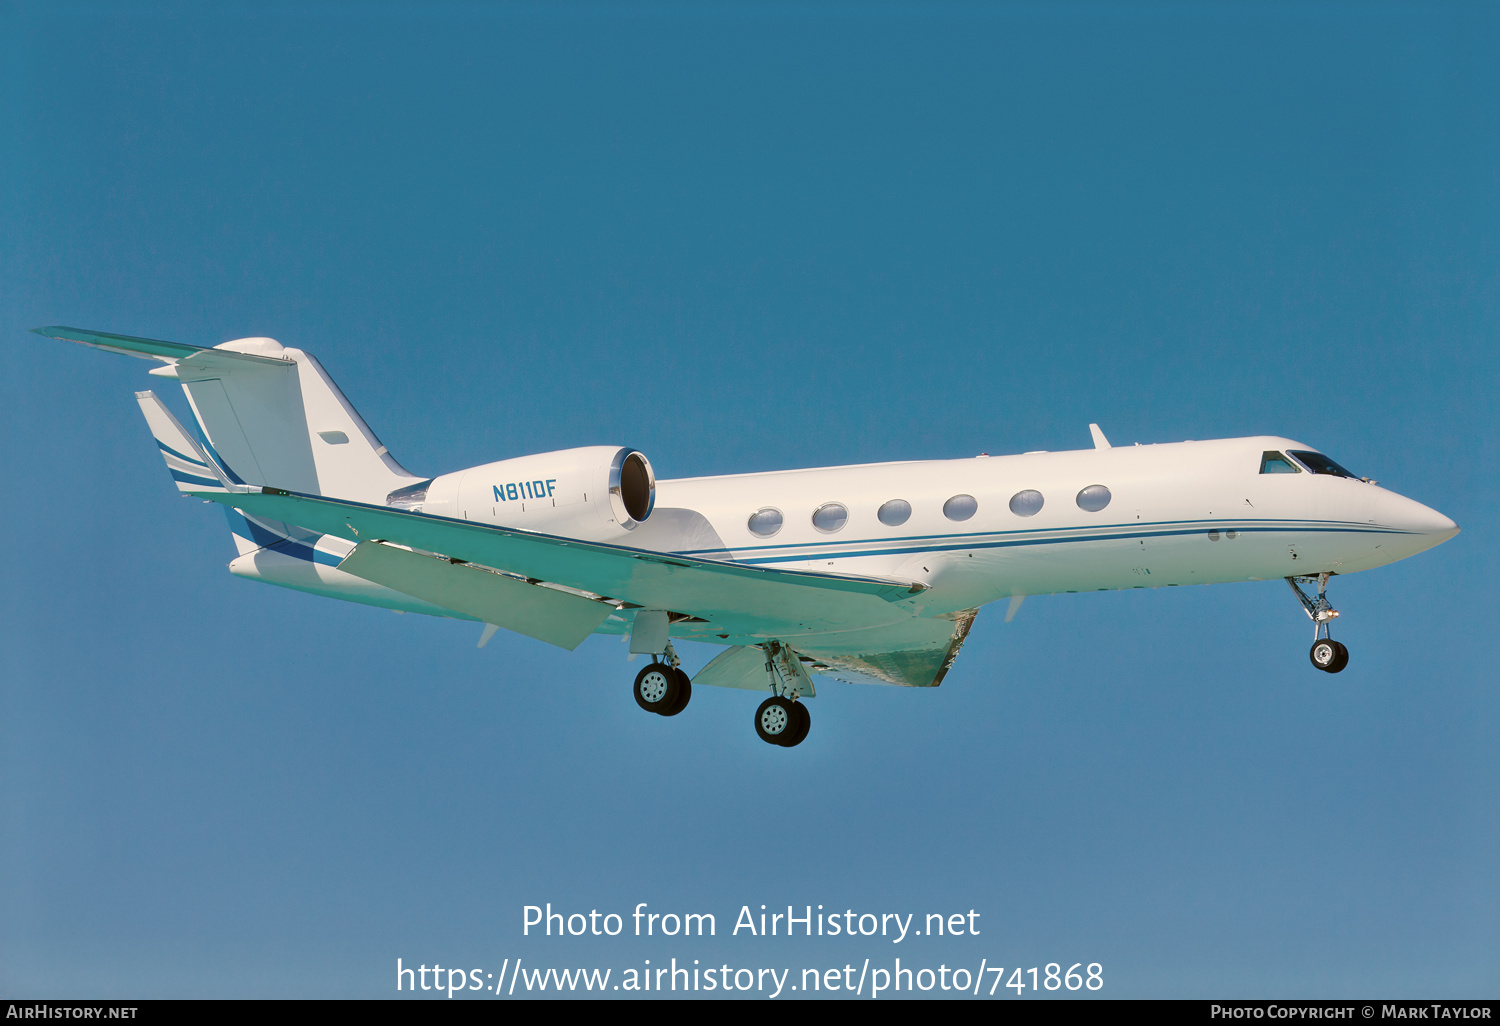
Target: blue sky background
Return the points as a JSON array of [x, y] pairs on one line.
[[749, 238]]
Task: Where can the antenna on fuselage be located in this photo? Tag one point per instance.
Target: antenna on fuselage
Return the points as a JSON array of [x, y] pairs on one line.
[[1100, 442]]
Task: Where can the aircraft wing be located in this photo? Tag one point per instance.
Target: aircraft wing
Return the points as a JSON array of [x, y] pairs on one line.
[[722, 599]]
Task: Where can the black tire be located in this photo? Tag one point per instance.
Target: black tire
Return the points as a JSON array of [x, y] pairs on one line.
[[799, 730], [775, 717], [1325, 655], [684, 694], [657, 688], [1341, 660]]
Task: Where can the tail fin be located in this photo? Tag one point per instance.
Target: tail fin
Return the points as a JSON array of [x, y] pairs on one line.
[[286, 424], [270, 415]]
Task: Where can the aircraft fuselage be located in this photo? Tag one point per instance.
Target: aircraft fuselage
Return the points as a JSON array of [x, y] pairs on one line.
[[1178, 514]]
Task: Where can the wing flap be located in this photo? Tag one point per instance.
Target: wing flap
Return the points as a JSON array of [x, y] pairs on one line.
[[533, 610], [917, 653], [739, 599]]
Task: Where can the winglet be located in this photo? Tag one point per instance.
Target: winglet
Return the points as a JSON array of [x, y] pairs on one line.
[[191, 467], [1100, 442]]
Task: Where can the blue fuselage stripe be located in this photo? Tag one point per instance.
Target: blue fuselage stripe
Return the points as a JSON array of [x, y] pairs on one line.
[[1011, 539]]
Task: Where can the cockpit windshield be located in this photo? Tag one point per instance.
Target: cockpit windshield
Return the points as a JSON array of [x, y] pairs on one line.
[[1320, 464], [1275, 463]]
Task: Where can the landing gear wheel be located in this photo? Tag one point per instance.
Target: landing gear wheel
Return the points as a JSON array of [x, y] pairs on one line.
[[1328, 655], [684, 694], [776, 719], [658, 689], [800, 727]]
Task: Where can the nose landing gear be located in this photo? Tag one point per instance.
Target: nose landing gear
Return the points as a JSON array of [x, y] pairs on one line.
[[1329, 655], [1326, 654]]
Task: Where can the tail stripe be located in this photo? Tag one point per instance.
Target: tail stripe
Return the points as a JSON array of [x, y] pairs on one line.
[[192, 479], [185, 460], [185, 469], [180, 455]]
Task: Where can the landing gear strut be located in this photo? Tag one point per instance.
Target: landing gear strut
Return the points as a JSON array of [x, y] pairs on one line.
[[1326, 654], [662, 687], [781, 719]]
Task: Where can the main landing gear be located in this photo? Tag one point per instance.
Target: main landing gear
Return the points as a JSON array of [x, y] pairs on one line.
[[1326, 654], [662, 687], [781, 719]]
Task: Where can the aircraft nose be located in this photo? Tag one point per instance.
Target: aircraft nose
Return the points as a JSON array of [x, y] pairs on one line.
[[1409, 515]]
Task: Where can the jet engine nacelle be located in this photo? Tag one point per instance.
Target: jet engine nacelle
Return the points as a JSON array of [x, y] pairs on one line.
[[598, 493]]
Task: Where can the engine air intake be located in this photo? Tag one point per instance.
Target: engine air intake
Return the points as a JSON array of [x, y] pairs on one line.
[[632, 487]]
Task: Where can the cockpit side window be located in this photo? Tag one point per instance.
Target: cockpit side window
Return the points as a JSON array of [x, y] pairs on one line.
[[1275, 463], [1320, 464]]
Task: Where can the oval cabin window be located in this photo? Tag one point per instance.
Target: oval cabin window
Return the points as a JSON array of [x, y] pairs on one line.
[[894, 513], [1093, 498], [830, 517], [960, 507], [1026, 503], [765, 522]]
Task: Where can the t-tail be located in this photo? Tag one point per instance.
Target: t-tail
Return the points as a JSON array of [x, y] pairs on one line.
[[268, 414]]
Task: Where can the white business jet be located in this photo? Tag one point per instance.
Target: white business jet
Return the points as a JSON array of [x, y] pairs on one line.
[[868, 573]]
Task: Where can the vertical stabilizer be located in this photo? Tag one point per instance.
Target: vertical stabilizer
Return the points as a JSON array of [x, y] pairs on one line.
[[281, 421], [268, 415]]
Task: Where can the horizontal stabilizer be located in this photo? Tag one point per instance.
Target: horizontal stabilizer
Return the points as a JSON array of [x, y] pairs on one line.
[[190, 466], [156, 349]]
